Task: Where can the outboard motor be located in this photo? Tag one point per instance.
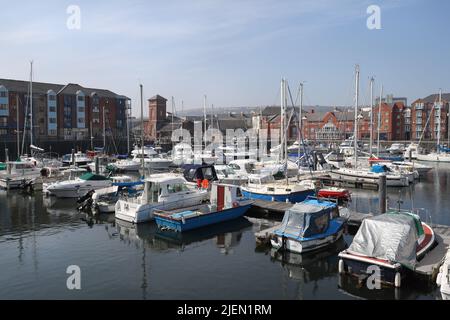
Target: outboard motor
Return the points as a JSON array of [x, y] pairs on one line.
[[85, 201]]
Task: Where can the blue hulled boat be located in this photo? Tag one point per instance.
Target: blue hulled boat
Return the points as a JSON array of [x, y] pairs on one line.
[[226, 204], [309, 225]]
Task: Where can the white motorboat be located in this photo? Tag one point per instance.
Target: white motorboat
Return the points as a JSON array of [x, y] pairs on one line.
[[152, 159], [396, 148], [162, 192], [17, 173], [411, 151], [81, 159], [443, 278], [226, 174], [104, 200], [78, 187]]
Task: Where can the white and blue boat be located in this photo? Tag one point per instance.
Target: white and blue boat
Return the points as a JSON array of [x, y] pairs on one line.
[[226, 203], [266, 188], [309, 225]]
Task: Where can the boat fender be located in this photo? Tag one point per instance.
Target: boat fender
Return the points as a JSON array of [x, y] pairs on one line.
[[235, 204], [398, 280], [341, 266]]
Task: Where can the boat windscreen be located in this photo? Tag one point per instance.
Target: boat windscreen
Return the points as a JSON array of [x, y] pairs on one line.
[[305, 220]]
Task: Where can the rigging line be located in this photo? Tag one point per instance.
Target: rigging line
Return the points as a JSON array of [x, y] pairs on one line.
[[301, 134]]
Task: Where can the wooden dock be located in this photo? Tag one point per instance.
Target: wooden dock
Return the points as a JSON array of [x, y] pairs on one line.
[[429, 265]]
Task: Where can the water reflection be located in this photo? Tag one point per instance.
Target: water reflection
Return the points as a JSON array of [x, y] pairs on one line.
[[411, 290], [226, 235]]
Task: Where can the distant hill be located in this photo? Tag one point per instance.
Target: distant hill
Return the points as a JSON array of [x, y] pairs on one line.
[[199, 111]]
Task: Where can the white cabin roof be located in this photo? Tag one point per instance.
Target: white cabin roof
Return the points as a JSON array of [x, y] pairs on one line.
[[166, 178]]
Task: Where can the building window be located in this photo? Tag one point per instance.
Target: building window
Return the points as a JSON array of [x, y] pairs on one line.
[[3, 132], [3, 94], [80, 109], [52, 120], [80, 98], [80, 120], [3, 106], [3, 121], [52, 109], [51, 97]]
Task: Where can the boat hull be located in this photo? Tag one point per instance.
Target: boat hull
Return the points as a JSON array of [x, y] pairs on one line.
[[138, 213], [306, 246], [202, 220]]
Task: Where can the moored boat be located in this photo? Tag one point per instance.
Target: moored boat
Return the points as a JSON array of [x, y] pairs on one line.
[[226, 203], [334, 193], [309, 225], [163, 192], [394, 242], [443, 278], [78, 186]]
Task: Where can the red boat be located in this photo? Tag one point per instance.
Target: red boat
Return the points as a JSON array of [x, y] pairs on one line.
[[334, 193]]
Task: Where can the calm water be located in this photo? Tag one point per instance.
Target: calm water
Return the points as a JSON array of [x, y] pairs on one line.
[[41, 237]]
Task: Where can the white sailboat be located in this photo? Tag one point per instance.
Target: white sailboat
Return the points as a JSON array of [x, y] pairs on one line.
[[364, 175]]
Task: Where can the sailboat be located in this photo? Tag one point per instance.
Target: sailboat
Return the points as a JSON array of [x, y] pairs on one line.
[[363, 175], [265, 187], [436, 156]]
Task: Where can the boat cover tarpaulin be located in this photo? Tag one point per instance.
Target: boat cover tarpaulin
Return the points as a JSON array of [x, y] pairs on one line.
[[306, 218], [391, 237]]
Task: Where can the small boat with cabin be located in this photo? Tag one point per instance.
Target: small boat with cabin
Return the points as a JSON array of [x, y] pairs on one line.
[[161, 191], [309, 225], [74, 188], [226, 203]]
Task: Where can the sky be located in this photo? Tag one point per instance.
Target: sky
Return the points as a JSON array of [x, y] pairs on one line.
[[235, 52]]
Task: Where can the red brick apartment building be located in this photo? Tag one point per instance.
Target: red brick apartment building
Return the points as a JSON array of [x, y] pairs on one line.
[[61, 112], [425, 115]]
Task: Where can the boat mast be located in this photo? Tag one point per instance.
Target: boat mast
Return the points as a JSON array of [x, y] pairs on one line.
[[281, 152], [371, 116], [104, 131], [92, 135], [142, 130], [17, 126], [204, 114], [379, 122], [31, 104], [355, 132], [300, 122], [439, 121], [285, 132]]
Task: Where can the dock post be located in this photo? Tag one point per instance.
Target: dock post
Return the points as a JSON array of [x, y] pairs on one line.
[[382, 192], [6, 155], [97, 165], [410, 154], [73, 157]]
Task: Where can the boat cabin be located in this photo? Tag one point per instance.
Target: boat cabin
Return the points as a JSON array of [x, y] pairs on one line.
[[196, 172], [224, 196], [163, 185], [308, 218]]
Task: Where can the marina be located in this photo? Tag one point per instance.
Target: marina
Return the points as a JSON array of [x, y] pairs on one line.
[[36, 230], [249, 150]]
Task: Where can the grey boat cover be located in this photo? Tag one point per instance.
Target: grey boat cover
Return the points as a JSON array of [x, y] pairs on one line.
[[306, 218], [391, 237]]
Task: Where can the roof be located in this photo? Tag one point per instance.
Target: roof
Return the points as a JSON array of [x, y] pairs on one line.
[[165, 178], [43, 87], [157, 97], [23, 86], [435, 98]]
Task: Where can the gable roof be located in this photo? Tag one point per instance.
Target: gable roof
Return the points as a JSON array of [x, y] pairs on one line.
[[43, 87]]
